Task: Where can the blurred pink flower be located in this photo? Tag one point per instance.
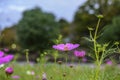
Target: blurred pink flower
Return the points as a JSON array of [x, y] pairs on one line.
[[109, 62], [79, 54], [1, 54], [16, 77], [6, 49], [65, 47], [84, 59], [6, 59], [9, 70]]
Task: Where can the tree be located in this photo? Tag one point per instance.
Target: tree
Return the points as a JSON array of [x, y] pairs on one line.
[[8, 37], [37, 30], [85, 15], [111, 32]]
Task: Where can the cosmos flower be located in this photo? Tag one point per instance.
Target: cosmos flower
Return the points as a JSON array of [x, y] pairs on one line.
[[9, 70], [109, 62], [5, 59], [6, 49], [79, 54], [16, 77], [1, 54], [65, 47]]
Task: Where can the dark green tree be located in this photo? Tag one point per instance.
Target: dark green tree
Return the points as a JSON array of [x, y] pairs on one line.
[[65, 28], [37, 30], [111, 32], [85, 16]]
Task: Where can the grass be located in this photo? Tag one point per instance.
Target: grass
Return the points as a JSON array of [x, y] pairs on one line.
[[61, 72]]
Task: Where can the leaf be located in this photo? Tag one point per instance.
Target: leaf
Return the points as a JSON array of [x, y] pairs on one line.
[[88, 39]]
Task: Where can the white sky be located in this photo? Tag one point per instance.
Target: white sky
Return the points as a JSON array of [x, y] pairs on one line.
[[11, 10]]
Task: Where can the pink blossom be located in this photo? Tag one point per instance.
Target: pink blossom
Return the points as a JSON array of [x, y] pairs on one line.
[[9, 70], [6, 49], [65, 47], [16, 77], [1, 54], [6, 59], [79, 54], [109, 62]]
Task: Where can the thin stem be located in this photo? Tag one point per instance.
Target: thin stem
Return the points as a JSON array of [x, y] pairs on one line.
[[27, 56], [96, 30], [91, 35], [96, 51], [95, 42]]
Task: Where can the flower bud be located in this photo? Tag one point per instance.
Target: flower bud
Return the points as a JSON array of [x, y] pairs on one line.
[[59, 62], [64, 74], [9, 71], [100, 16]]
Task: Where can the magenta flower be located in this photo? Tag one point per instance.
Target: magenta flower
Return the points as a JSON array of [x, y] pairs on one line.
[[6, 49], [65, 47], [9, 70], [5, 59], [16, 77], [109, 62], [79, 54], [1, 54]]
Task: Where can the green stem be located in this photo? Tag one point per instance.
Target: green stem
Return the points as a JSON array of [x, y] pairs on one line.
[[27, 57], [96, 52], [95, 42]]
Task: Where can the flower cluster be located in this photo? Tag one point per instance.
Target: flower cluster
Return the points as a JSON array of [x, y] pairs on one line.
[[68, 47]]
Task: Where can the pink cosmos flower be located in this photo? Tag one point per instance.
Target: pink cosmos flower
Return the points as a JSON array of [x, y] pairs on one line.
[[79, 54], [6, 49], [5, 59], [16, 77], [1, 54], [9, 70], [109, 62], [65, 47]]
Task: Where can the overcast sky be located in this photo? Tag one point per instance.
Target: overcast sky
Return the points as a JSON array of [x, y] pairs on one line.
[[11, 10]]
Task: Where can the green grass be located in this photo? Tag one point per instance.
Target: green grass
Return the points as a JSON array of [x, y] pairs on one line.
[[61, 72]]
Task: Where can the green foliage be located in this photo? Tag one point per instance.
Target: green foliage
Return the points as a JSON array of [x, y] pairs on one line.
[[8, 37], [55, 72], [85, 15], [111, 32], [37, 30], [65, 29]]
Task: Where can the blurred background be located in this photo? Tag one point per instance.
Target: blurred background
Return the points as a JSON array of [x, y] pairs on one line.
[[36, 24]]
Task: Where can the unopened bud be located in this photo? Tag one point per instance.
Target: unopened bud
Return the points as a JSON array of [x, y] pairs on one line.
[[71, 65], [64, 74], [9, 71], [60, 62], [100, 16]]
